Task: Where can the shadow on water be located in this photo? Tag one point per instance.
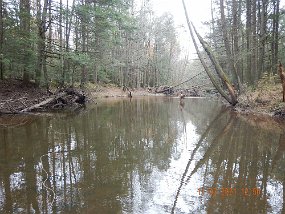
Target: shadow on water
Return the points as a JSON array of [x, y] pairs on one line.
[[150, 155]]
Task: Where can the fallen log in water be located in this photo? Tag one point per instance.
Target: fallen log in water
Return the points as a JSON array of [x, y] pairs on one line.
[[18, 97], [68, 98], [45, 102]]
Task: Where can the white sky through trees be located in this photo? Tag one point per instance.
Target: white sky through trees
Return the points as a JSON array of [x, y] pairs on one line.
[[199, 11]]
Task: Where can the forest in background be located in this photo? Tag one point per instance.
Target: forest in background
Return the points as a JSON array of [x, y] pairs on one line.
[[123, 42], [67, 42]]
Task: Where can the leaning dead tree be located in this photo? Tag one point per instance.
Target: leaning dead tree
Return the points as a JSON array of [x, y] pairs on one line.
[[230, 96]]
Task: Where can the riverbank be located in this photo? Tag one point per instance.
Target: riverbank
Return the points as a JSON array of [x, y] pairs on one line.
[[19, 97], [265, 99], [15, 96], [107, 91]]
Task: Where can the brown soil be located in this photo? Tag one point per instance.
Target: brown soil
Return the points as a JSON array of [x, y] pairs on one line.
[[112, 91], [265, 99], [15, 95], [263, 107]]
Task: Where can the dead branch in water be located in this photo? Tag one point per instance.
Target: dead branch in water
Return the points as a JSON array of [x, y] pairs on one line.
[[45, 102], [65, 98]]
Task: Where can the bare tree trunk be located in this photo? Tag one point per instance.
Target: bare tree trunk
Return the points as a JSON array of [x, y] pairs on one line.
[[231, 100], [96, 60], [218, 69], [76, 32], [95, 76], [40, 45], [249, 40], [236, 10], [25, 18], [41, 21], [155, 79], [213, 26], [83, 28], [1, 41], [68, 21], [254, 44], [262, 6], [275, 40], [49, 46], [230, 59], [62, 71]]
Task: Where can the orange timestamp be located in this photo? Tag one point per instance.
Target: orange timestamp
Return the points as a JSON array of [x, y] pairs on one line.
[[228, 191]]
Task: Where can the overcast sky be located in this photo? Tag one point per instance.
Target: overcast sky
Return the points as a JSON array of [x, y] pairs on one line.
[[199, 12]]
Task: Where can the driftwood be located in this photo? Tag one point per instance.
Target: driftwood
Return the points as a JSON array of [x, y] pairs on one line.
[[164, 89], [45, 102], [68, 97], [170, 89], [18, 97]]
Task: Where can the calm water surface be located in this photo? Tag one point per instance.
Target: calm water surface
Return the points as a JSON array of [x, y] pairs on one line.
[[147, 155]]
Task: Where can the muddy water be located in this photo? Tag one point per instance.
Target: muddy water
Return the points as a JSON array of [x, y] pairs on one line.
[[149, 155]]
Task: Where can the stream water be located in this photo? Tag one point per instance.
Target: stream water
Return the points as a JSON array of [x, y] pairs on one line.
[[145, 155]]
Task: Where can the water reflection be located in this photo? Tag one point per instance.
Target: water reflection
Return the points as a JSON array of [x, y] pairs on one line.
[[150, 155]]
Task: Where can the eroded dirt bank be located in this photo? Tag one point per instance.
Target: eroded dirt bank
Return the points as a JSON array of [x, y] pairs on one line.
[[264, 101], [18, 97], [15, 96]]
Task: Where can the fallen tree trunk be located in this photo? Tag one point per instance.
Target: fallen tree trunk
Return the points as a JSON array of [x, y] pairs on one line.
[[68, 97], [45, 102], [17, 97], [172, 87]]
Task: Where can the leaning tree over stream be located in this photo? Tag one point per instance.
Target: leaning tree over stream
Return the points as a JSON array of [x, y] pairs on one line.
[[246, 34], [241, 51]]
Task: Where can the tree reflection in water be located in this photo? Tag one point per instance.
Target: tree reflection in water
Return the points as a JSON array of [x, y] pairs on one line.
[[237, 157], [115, 156]]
